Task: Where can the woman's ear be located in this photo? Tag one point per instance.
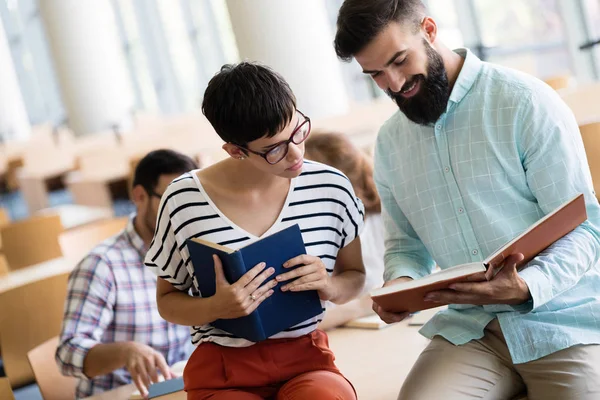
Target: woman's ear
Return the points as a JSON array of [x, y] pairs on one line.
[[234, 151]]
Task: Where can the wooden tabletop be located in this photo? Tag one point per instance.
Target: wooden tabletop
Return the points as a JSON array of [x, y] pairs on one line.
[[35, 272], [75, 215], [125, 392], [375, 361]]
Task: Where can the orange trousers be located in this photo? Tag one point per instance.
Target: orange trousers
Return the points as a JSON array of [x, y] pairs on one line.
[[276, 369]]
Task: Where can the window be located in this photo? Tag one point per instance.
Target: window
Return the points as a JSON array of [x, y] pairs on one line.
[[592, 13], [446, 17], [137, 63], [32, 61], [526, 35]]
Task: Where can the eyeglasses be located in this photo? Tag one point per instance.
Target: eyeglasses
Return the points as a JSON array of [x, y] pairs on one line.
[[280, 150], [152, 193]]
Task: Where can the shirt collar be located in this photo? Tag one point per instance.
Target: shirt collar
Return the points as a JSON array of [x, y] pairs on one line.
[[467, 75], [136, 240]]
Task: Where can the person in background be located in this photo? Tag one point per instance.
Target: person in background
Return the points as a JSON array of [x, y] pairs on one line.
[[475, 155], [112, 333], [337, 150]]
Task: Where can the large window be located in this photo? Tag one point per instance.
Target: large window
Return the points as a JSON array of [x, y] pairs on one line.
[[137, 62], [445, 14], [173, 47], [526, 35], [32, 61], [592, 12]]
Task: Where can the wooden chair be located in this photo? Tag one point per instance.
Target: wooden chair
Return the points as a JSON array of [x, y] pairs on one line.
[[31, 314], [6, 392], [52, 384], [4, 217], [77, 242], [590, 133], [559, 82], [31, 241], [4, 269], [583, 101]]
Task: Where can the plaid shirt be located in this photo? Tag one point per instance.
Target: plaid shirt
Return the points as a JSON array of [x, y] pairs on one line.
[[112, 298]]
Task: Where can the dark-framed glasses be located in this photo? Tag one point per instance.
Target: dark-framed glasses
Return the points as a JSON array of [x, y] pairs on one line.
[[280, 150]]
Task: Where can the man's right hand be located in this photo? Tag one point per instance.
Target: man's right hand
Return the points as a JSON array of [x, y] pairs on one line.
[[244, 296], [142, 362], [390, 317]]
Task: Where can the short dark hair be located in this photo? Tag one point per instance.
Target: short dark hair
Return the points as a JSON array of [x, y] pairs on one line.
[[359, 21], [160, 162], [248, 101]]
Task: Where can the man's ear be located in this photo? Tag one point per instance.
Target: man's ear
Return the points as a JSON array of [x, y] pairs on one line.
[[138, 195], [429, 27], [234, 151]]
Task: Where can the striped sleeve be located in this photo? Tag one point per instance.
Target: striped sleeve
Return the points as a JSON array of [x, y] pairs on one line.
[[354, 218], [164, 257]]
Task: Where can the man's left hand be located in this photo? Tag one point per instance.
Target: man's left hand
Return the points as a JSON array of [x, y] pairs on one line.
[[506, 287]]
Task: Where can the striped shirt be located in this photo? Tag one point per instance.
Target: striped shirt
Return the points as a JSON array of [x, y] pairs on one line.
[[112, 298], [321, 201]]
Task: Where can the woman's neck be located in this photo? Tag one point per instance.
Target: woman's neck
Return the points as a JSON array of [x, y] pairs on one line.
[[243, 176]]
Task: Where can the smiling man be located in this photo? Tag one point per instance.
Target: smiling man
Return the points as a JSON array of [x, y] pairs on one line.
[[477, 154]]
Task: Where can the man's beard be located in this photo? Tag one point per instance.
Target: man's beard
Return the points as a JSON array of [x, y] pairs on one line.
[[431, 101]]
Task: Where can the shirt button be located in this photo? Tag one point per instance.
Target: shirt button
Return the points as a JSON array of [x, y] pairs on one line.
[[447, 169], [438, 126], [460, 210], [475, 252]]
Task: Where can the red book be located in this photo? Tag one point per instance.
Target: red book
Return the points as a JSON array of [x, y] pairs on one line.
[[408, 296]]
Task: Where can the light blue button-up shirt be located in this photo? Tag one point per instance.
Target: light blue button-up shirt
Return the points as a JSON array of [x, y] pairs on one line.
[[506, 152]]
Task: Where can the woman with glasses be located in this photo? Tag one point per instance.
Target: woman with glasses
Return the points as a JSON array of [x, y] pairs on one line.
[[263, 187]]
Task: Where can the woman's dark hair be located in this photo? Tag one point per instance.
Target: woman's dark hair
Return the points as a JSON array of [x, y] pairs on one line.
[[248, 101]]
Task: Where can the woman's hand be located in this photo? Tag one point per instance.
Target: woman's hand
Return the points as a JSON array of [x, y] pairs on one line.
[[311, 275]]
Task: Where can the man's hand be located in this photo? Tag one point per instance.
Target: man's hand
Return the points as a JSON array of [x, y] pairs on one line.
[[312, 275], [390, 317], [506, 287], [142, 362], [244, 296]]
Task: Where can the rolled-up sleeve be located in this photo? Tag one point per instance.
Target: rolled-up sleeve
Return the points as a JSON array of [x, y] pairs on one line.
[[88, 311]]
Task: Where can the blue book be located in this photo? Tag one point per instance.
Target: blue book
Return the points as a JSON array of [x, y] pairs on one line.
[[280, 311], [165, 387]]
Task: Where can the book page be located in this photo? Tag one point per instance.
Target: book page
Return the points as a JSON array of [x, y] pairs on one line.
[[213, 245], [442, 275]]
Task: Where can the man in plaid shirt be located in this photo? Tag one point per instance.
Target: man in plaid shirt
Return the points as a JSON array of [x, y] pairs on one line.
[[112, 333]]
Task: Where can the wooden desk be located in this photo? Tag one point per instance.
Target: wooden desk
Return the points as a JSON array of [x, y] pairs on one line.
[[34, 185], [123, 393], [35, 272], [376, 371], [377, 361], [75, 215], [94, 190]]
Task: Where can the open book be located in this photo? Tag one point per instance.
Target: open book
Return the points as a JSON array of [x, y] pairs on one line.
[[408, 296], [280, 311]]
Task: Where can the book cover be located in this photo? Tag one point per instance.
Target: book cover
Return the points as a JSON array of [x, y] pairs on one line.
[[160, 389], [280, 311], [409, 296]]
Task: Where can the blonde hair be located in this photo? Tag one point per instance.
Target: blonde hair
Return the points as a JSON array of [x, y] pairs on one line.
[[336, 149]]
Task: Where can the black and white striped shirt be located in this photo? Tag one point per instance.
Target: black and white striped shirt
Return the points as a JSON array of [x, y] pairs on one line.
[[321, 201]]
